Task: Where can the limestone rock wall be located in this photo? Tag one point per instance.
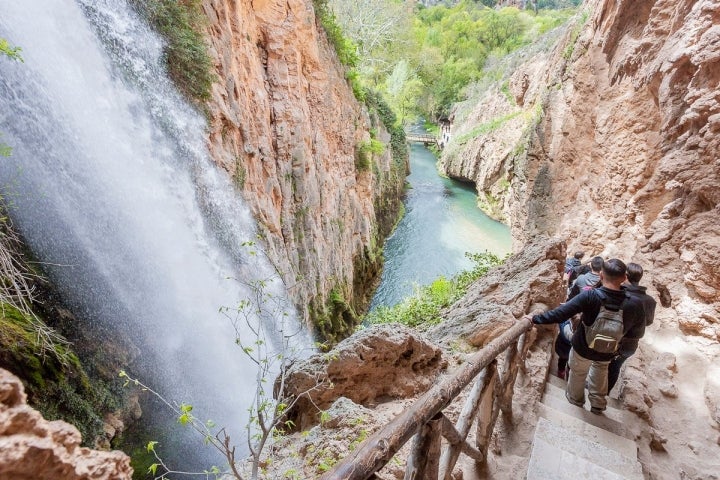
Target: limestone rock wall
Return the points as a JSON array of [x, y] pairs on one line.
[[284, 122], [32, 448], [623, 160]]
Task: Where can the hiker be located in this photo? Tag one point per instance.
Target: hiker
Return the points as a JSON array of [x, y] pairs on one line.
[[574, 261], [587, 280], [608, 314], [572, 265], [628, 345]]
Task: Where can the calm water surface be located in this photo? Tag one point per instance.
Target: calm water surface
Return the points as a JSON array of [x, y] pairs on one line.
[[441, 223]]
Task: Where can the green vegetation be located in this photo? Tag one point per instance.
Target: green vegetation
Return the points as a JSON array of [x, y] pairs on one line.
[[334, 319], [376, 103], [487, 127], [34, 350], [57, 385], [346, 48], [568, 52], [423, 308], [188, 62], [9, 51], [365, 151], [422, 61], [14, 54]]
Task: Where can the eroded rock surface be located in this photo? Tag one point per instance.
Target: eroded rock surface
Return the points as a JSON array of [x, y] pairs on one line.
[[32, 448], [381, 371], [529, 278], [375, 365]]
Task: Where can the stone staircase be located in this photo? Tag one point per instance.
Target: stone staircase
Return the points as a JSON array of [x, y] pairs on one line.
[[570, 443]]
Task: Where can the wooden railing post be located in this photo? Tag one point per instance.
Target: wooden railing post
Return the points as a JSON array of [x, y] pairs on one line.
[[508, 380], [424, 458], [467, 415], [487, 415]]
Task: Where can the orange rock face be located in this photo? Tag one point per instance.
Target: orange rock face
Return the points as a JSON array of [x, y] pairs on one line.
[[285, 123], [32, 448], [629, 150]]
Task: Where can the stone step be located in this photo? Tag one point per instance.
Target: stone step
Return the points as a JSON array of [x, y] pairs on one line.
[[624, 446], [560, 383], [619, 415], [560, 453], [600, 421]]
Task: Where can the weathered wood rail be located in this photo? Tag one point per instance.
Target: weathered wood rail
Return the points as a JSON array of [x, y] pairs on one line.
[[490, 394]]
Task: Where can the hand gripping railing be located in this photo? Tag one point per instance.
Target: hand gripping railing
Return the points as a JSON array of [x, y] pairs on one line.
[[424, 419]]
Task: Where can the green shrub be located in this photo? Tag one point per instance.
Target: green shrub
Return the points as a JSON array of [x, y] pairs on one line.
[[487, 127], [188, 62], [422, 309], [346, 49], [375, 102]]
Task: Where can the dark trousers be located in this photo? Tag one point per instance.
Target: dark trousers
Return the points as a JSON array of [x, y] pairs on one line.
[[614, 368], [562, 348]]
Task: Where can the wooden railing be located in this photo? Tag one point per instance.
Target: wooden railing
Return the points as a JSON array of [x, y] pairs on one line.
[[491, 393]]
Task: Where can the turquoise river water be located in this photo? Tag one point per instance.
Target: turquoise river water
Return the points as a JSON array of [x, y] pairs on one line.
[[441, 223]]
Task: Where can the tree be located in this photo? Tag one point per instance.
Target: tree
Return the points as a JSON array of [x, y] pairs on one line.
[[381, 30]]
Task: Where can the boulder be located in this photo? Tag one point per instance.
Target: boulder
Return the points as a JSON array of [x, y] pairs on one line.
[[32, 448], [533, 276], [374, 365]]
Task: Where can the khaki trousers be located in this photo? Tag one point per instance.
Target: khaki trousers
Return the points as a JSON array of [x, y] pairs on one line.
[[596, 374]]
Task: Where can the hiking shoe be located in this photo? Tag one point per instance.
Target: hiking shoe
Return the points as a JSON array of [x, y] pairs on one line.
[[597, 411], [561, 374], [575, 402]]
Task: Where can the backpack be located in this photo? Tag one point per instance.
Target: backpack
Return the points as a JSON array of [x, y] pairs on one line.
[[607, 330]]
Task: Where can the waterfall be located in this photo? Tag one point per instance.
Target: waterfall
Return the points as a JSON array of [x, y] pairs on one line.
[[111, 185]]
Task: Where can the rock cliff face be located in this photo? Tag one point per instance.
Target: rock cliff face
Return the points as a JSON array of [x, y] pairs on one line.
[[617, 150], [284, 122], [34, 449]]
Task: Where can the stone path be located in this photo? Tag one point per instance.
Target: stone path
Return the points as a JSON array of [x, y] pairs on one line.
[[572, 443]]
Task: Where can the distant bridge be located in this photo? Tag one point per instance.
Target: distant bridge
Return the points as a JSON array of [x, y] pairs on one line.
[[425, 139]]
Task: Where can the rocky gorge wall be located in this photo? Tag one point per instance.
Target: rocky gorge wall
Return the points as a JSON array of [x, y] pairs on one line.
[[610, 140], [284, 122]]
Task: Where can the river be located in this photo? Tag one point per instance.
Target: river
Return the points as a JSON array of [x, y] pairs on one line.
[[441, 223]]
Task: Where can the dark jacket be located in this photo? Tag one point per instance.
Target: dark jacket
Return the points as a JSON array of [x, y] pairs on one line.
[[588, 304], [629, 344], [571, 263]]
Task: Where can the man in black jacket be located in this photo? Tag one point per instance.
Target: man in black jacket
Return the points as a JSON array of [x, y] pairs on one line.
[[628, 345], [586, 362]]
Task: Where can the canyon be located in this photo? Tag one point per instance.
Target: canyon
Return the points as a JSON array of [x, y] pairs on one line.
[[604, 141]]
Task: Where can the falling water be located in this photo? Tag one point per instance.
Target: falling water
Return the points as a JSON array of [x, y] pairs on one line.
[[111, 185]]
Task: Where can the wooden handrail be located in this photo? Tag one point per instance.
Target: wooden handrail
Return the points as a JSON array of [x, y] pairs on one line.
[[380, 447]]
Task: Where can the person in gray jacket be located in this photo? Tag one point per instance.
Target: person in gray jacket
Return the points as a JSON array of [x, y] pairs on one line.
[[588, 280]]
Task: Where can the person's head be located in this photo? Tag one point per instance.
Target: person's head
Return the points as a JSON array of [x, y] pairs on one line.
[[596, 264], [579, 255], [634, 273], [613, 273]]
